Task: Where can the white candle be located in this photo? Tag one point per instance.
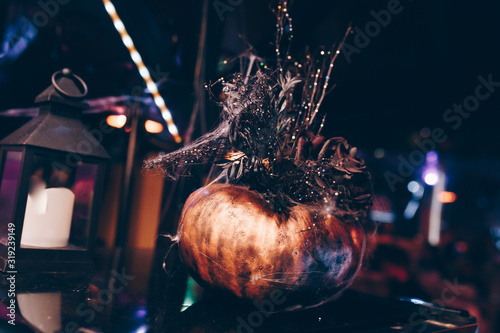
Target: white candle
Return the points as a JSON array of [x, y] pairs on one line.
[[47, 220], [42, 310]]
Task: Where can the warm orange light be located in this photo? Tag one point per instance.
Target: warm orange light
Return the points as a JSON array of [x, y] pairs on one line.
[[153, 126], [447, 197], [354, 237], [116, 121]]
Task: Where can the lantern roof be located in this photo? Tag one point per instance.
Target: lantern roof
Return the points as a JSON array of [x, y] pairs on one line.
[[66, 88], [58, 125]]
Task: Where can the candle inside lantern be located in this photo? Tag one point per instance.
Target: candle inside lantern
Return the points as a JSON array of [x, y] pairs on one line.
[[47, 221]]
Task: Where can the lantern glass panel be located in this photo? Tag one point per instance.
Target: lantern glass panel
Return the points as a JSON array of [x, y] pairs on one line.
[[59, 204], [8, 190]]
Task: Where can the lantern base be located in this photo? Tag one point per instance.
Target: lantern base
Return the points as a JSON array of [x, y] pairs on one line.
[[45, 266]]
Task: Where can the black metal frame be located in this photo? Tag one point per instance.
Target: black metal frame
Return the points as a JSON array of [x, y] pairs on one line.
[[49, 260]]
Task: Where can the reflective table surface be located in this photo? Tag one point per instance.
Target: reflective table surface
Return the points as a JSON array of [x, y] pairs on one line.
[[131, 292]]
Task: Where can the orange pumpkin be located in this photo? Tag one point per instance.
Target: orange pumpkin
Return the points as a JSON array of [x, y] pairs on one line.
[[231, 240], [300, 233]]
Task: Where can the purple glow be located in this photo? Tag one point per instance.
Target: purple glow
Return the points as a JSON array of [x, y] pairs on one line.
[[141, 313], [8, 189], [431, 157]]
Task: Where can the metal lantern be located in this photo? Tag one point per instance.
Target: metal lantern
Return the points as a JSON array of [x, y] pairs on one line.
[[51, 185]]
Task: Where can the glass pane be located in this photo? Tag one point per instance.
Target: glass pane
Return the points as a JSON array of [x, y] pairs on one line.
[[83, 187], [8, 190], [59, 204]]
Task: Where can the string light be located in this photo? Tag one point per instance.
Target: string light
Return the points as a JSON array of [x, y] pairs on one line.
[[136, 57], [109, 8], [119, 25], [152, 87], [159, 102], [127, 41], [143, 71]]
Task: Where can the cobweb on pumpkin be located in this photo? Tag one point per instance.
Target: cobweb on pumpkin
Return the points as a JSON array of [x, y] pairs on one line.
[[316, 265], [269, 138]]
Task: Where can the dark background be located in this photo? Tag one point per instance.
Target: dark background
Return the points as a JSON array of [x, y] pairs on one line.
[[424, 61], [427, 59]]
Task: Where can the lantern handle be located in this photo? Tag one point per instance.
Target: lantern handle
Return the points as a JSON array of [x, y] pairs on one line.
[[67, 72]]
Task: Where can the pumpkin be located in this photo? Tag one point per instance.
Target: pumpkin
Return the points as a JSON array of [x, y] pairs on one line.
[[231, 240], [291, 225]]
